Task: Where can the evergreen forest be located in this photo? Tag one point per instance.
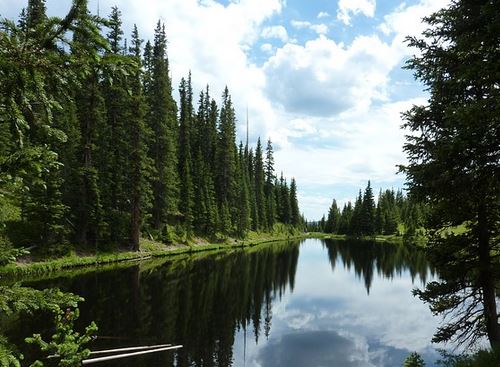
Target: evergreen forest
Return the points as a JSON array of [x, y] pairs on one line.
[[132, 189], [96, 152], [392, 213]]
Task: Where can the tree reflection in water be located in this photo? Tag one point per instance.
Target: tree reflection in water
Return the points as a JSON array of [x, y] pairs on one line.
[[203, 303]]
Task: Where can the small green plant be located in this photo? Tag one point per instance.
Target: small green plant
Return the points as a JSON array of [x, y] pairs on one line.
[[8, 254], [66, 347], [8, 356]]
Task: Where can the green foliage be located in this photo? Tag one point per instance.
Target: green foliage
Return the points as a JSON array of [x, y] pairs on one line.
[[161, 118], [365, 218], [8, 255], [414, 360], [17, 299], [453, 164], [66, 346], [8, 356], [482, 358], [66, 342], [117, 161]]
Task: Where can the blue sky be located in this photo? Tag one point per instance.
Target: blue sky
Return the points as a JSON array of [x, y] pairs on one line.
[[321, 78]]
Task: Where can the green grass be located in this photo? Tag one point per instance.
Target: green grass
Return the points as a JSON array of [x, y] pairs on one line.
[[148, 249]]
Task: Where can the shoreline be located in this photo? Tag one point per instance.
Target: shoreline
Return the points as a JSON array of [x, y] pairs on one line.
[[151, 250], [20, 269]]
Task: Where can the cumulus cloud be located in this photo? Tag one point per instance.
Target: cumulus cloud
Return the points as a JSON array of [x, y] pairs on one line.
[[323, 77], [214, 42], [302, 24], [347, 8], [407, 21], [324, 103], [277, 31], [330, 348], [363, 145]]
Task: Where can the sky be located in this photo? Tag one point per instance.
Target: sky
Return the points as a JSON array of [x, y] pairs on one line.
[[322, 79]]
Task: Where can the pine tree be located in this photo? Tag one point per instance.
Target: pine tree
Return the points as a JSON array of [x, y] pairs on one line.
[[453, 156], [113, 143], [355, 223], [346, 219], [243, 220], [226, 162], [35, 14], [185, 160], [284, 201], [259, 183], [269, 189], [367, 214], [294, 204], [162, 120], [205, 214], [332, 222], [88, 44], [140, 191]]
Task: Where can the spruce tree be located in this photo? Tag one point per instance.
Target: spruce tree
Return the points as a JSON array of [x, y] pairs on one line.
[[243, 217], [284, 199], [35, 14], [162, 120], [367, 214], [269, 189], [332, 221], [205, 214], [259, 182], [294, 204], [87, 45], [453, 156], [113, 143], [185, 160], [355, 227], [140, 191], [226, 162]]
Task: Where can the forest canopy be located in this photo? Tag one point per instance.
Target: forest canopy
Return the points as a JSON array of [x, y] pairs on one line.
[[96, 151]]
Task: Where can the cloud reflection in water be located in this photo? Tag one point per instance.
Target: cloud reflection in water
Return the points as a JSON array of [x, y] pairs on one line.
[[331, 319]]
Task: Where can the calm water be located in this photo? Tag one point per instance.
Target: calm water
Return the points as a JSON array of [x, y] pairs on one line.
[[314, 303]]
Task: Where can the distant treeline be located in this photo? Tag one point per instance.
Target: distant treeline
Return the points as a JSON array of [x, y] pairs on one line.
[[94, 150], [393, 213]]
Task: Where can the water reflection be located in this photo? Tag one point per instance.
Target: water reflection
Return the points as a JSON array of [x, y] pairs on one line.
[[343, 304], [387, 260]]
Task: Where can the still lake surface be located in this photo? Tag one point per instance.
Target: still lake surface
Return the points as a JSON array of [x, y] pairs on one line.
[[310, 303]]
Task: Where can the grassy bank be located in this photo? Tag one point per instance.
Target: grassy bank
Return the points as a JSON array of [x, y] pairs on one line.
[[148, 250], [27, 267], [379, 238]]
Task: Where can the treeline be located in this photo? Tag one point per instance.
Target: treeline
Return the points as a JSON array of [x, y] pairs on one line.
[[393, 213], [94, 149]]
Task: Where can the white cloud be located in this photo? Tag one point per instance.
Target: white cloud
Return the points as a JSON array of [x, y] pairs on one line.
[[302, 24], [214, 42], [324, 77], [407, 21], [361, 145], [320, 28], [278, 32], [324, 103], [266, 47], [347, 8]]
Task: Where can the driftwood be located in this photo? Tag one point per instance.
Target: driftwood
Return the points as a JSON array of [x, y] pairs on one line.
[[149, 349]]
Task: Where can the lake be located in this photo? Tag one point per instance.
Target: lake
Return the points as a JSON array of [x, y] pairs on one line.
[[314, 303]]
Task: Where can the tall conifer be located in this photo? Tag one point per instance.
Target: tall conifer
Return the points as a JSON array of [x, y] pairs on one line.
[[162, 120]]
